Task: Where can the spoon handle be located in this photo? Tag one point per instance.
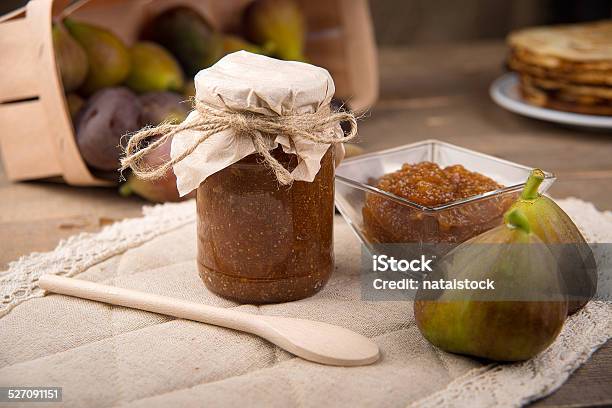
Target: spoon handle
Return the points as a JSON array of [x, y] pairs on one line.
[[150, 302]]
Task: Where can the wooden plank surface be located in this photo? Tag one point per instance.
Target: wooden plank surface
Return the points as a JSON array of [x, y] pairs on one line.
[[436, 92]]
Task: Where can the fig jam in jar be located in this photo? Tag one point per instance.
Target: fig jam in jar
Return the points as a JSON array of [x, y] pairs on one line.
[[259, 242], [260, 149]]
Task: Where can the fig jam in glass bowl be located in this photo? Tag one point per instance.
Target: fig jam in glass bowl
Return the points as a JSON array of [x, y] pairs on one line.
[[428, 184], [427, 192]]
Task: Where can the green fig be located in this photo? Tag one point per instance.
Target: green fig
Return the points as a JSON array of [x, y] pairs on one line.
[[109, 59], [154, 69], [233, 43], [71, 58], [279, 24], [158, 107], [75, 104], [553, 226], [516, 320], [188, 36]]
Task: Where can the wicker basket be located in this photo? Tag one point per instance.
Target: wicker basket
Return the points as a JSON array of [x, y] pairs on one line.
[[37, 138]]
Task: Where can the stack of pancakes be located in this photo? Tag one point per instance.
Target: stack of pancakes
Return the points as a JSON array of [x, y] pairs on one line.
[[565, 67]]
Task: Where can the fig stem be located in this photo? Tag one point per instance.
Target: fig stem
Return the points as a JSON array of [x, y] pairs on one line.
[[530, 192], [517, 219]]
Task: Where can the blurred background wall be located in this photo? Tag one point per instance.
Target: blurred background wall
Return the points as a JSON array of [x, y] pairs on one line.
[[400, 22], [406, 22]]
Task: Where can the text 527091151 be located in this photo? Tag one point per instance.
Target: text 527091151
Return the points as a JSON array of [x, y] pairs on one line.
[[30, 394]]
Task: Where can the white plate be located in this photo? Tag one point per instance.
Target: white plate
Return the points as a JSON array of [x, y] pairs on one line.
[[504, 91]]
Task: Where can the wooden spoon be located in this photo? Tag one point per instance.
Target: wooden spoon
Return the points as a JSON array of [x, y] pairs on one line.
[[315, 341]]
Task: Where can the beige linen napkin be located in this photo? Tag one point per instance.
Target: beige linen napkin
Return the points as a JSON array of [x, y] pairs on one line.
[[110, 356]]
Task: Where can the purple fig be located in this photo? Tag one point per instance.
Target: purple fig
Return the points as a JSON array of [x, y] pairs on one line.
[[158, 107], [157, 191], [109, 115]]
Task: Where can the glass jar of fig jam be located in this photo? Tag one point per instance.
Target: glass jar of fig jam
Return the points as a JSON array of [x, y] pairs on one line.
[[260, 149], [259, 242]]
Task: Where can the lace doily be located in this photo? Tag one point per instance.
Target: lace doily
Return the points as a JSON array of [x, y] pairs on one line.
[[80, 252]]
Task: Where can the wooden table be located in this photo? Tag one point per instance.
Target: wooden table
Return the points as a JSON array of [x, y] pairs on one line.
[[436, 92]]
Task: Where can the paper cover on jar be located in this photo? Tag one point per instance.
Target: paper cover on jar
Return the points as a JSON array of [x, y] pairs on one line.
[[241, 82]]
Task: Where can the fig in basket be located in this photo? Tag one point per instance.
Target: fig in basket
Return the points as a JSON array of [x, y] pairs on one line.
[[278, 25], [108, 115], [553, 226], [158, 107], [188, 36], [154, 69], [157, 191], [233, 43], [109, 59], [71, 58], [75, 104], [520, 316]]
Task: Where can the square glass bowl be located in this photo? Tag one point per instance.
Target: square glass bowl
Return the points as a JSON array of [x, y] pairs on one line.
[[378, 217]]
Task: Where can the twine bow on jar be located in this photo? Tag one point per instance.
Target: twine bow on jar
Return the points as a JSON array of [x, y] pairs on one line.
[[209, 121]]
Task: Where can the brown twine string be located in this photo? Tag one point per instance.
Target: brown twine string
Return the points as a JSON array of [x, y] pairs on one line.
[[310, 126]]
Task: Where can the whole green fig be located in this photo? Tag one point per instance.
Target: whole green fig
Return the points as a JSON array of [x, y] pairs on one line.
[[106, 118], [518, 319], [233, 43], [109, 59], [553, 226], [279, 25], [188, 36], [154, 69], [71, 58]]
